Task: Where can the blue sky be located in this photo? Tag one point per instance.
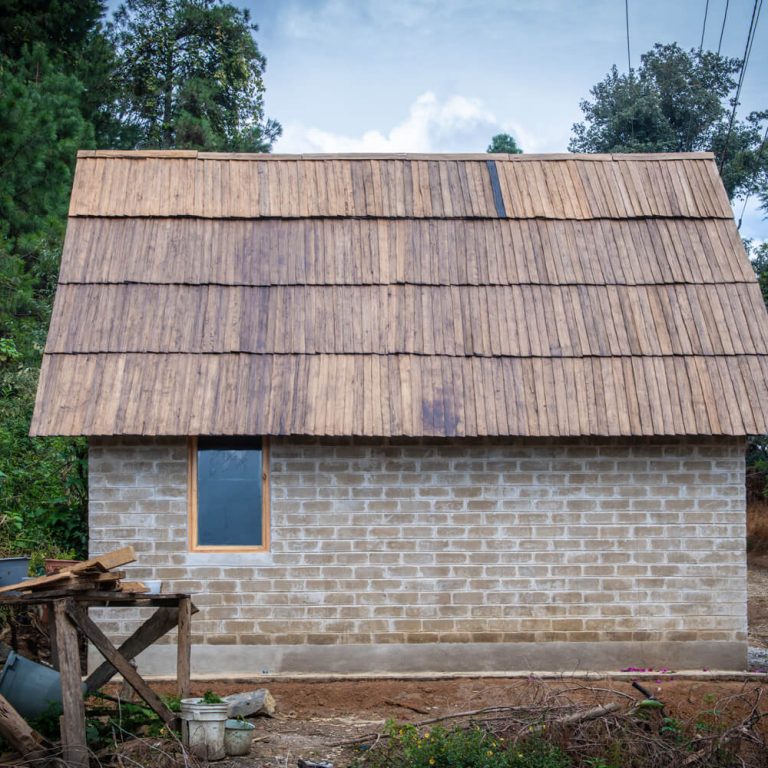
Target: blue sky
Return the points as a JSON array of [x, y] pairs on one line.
[[445, 75]]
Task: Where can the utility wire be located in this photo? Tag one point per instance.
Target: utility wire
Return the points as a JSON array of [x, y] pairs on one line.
[[722, 29], [704, 26], [752, 41], [629, 56], [758, 157], [745, 60]]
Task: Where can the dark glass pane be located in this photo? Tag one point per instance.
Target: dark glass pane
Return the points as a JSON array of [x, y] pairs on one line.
[[229, 492]]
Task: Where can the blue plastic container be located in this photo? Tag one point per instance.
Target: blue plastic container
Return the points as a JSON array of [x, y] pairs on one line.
[[13, 570], [29, 687]]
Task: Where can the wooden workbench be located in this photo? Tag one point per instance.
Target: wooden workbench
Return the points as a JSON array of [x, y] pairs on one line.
[[68, 615]]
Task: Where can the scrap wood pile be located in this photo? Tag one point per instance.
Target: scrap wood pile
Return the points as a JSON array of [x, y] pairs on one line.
[[598, 726], [96, 574]]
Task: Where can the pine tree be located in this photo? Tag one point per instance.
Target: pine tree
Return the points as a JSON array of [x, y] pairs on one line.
[[191, 76]]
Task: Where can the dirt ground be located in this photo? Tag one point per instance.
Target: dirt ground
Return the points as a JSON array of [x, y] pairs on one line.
[[313, 717], [758, 601]]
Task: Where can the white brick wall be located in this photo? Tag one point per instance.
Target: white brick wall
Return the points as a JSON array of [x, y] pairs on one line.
[[449, 541]]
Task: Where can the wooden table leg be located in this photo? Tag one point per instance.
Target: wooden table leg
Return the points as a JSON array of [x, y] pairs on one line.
[[73, 721], [183, 647], [52, 636]]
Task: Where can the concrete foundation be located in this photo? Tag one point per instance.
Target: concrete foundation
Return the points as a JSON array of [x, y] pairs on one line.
[[217, 660]]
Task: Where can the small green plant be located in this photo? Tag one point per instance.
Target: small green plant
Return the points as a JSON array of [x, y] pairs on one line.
[[597, 762], [462, 748], [209, 697], [47, 723], [173, 703], [8, 351], [671, 727]]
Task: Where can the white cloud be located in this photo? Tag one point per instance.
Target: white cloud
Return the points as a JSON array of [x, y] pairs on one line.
[[315, 21], [455, 124]]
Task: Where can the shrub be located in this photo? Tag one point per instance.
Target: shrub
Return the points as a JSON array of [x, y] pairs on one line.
[[462, 748]]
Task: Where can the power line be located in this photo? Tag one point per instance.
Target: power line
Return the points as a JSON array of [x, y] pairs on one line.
[[704, 26], [752, 41], [629, 56], [758, 157], [745, 60], [722, 29]]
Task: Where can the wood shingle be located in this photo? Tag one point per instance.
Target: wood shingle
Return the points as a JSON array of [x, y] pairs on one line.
[[403, 295]]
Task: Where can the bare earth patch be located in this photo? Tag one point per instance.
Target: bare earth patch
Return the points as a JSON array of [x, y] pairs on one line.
[[313, 716], [758, 600]]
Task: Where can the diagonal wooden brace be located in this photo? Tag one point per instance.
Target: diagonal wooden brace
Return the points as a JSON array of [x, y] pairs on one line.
[[102, 643], [161, 621]]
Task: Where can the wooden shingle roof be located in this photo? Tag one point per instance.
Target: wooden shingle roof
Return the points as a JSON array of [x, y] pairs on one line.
[[463, 295]]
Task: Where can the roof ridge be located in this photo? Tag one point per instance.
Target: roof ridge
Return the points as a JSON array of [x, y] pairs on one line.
[[191, 154]]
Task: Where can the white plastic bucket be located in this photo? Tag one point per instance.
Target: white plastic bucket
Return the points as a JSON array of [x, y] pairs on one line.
[[238, 735], [202, 728]]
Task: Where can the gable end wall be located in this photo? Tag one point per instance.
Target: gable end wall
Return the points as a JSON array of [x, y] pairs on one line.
[[512, 554]]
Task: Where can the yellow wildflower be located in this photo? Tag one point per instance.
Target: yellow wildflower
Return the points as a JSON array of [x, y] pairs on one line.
[[431, 760], [426, 735], [489, 753]]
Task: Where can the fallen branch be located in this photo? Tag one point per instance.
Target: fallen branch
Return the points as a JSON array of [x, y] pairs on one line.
[[443, 718], [743, 730], [24, 739], [404, 705], [590, 714]]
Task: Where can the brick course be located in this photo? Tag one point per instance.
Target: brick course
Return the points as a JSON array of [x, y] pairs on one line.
[[473, 541]]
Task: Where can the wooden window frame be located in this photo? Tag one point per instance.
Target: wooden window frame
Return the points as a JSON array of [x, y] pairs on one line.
[[192, 509]]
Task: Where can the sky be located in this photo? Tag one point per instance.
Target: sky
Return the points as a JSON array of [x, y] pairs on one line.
[[446, 75]]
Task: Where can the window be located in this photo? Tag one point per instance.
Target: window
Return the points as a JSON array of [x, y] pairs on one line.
[[228, 494]]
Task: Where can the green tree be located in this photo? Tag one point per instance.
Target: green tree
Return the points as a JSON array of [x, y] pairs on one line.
[[73, 37], [190, 75], [61, 26], [41, 128], [677, 101], [504, 143], [757, 445], [41, 125], [758, 255]]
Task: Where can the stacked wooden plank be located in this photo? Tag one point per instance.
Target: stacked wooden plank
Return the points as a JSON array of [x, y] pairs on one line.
[[96, 574]]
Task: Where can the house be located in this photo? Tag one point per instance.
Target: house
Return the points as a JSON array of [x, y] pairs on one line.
[[416, 412]]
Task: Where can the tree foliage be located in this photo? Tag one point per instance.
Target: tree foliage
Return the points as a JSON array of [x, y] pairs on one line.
[[190, 75], [677, 101], [64, 87], [61, 26], [41, 128], [758, 255], [504, 143], [74, 41]]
